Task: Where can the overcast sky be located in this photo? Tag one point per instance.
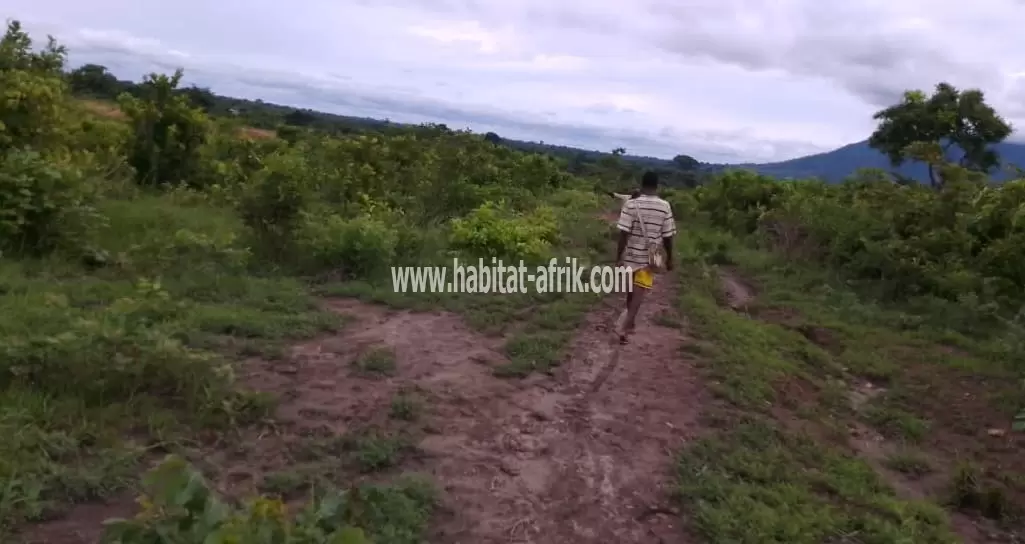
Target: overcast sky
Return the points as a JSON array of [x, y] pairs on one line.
[[721, 80]]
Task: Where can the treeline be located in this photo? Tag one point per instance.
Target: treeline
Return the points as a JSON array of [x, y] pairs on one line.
[[97, 82]]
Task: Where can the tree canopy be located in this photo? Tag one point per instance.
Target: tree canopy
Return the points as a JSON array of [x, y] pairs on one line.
[[926, 128]]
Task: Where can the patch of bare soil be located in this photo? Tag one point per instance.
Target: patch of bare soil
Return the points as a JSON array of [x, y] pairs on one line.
[[581, 457], [254, 133], [104, 109], [739, 293], [82, 525]]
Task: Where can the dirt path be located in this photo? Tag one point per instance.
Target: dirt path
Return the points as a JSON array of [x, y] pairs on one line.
[[633, 407], [580, 457]]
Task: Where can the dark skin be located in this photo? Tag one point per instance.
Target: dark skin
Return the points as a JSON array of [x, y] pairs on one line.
[[635, 297], [624, 237]]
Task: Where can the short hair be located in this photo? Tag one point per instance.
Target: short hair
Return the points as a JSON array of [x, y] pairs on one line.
[[649, 180]]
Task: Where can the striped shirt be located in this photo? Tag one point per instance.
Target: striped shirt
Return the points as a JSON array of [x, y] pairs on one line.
[[658, 220]]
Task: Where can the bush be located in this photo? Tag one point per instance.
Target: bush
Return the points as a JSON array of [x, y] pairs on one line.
[[179, 506], [42, 203], [168, 132], [272, 202], [492, 230], [359, 247], [964, 239], [34, 94], [114, 352]]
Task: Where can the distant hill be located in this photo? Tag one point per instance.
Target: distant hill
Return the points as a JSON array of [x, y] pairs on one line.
[[834, 166]]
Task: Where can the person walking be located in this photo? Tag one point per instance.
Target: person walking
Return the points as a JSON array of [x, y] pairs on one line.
[[645, 223]]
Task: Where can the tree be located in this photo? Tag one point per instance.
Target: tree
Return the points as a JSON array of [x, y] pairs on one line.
[[926, 128], [299, 118], [168, 132], [686, 162], [493, 138], [200, 97], [32, 91], [94, 80]]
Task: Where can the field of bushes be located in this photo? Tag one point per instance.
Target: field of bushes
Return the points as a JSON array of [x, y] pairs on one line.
[[872, 387], [145, 253]]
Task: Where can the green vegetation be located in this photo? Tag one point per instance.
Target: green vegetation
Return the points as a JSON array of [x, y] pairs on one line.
[[926, 128], [148, 250], [885, 325], [868, 388], [378, 361], [179, 504]]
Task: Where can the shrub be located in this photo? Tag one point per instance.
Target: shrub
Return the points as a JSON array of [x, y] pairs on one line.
[[114, 352], [359, 246], [168, 132], [42, 203], [272, 202], [179, 506], [492, 230], [32, 92], [910, 240]]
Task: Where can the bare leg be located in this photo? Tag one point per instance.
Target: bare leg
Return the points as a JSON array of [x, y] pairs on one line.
[[633, 307], [621, 320]]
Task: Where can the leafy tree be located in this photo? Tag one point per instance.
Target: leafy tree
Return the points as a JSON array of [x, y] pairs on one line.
[[168, 132], [32, 90], [94, 80], [435, 129], [299, 118], [289, 133], [200, 97], [493, 138], [926, 128], [686, 162], [869, 175], [43, 200]]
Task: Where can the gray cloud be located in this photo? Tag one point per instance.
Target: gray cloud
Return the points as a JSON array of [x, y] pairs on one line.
[[875, 50], [722, 80]]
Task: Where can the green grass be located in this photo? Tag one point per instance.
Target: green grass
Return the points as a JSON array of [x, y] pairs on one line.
[[143, 340], [757, 483], [776, 465], [143, 348], [326, 462], [378, 361], [910, 463], [405, 406], [177, 499]]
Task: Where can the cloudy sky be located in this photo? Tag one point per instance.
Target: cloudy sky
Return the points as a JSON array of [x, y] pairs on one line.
[[721, 80]]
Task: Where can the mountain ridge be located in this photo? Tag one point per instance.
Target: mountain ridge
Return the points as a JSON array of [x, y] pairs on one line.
[[833, 166]]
